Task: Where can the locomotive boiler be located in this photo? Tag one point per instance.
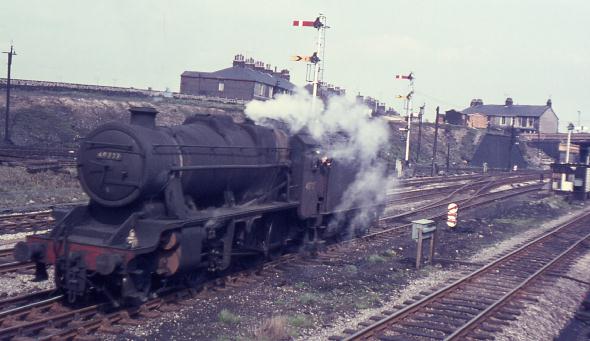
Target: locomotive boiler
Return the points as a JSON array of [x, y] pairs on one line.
[[173, 205]]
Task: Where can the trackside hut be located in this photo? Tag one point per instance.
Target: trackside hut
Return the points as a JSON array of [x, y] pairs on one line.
[[499, 151], [245, 80]]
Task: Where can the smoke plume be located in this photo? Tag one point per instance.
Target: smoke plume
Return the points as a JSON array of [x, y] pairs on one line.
[[367, 137]]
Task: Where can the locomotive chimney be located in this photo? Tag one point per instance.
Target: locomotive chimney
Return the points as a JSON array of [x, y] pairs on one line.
[[143, 116]]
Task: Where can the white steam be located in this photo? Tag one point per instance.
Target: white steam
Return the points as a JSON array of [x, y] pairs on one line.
[[367, 138]]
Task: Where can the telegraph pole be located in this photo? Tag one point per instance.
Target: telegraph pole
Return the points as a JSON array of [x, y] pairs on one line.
[[7, 112], [435, 142], [511, 143], [448, 153], [420, 115]]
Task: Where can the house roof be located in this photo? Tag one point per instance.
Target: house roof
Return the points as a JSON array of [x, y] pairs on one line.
[[507, 110], [243, 73]]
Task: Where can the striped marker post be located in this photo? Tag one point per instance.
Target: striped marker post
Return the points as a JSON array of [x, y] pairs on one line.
[[452, 215]]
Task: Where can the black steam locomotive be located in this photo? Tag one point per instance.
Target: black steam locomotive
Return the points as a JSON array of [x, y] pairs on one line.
[[172, 205]]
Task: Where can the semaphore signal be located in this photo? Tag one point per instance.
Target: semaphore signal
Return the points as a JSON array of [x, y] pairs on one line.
[[320, 24], [408, 107]]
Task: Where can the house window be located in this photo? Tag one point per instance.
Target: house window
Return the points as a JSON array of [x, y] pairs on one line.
[[259, 89], [503, 120], [221, 86], [531, 121], [523, 121]]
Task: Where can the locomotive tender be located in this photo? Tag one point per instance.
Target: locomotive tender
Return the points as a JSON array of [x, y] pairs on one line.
[[172, 205]]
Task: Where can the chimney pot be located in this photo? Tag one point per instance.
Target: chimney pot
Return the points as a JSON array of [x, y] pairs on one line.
[[238, 60]]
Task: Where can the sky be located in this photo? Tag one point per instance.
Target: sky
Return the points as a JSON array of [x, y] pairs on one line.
[[530, 50]]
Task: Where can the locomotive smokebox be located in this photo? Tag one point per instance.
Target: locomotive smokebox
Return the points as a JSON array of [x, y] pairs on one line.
[[143, 116]]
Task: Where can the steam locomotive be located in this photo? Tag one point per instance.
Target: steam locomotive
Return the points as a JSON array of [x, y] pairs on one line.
[[173, 205]]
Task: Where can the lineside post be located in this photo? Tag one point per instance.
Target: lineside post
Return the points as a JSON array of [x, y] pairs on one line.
[[424, 229], [321, 27], [420, 115], [435, 143], [7, 112]]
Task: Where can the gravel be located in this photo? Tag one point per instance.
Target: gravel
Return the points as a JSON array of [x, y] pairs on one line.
[[493, 251], [435, 279], [555, 307], [327, 297], [14, 283]]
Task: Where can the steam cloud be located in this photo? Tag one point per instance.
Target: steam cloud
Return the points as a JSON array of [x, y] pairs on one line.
[[367, 137]]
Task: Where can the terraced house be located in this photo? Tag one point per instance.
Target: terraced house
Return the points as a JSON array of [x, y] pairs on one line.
[[246, 80], [526, 118]]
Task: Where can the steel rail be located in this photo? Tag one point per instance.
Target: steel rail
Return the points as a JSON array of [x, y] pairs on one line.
[[11, 301], [37, 304], [15, 266], [416, 306], [469, 326]]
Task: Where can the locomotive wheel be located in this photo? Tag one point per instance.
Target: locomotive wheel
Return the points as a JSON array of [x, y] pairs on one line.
[[136, 285]]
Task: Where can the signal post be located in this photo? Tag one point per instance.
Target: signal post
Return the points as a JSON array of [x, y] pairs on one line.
[[320, 24]]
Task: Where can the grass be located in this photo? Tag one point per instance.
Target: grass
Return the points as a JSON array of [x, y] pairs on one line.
[[308, 298], [368, 300], [274, 329], [227, 317], [375, 258], [299, 285], [351, 269], [300, 321], [516, 221], [390, 253]]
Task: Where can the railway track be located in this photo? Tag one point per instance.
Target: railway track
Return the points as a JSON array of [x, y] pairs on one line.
[[16, 266], [7, 265], [34, 219], [42, 218], [457, 178], [26, 221], [54, 321], [438, 207], [477, 184], [37, 159], [481, 303]]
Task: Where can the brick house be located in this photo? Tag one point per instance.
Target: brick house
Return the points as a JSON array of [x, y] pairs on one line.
[[526, 118], [473, 120], [477, 121], [244, 80]]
